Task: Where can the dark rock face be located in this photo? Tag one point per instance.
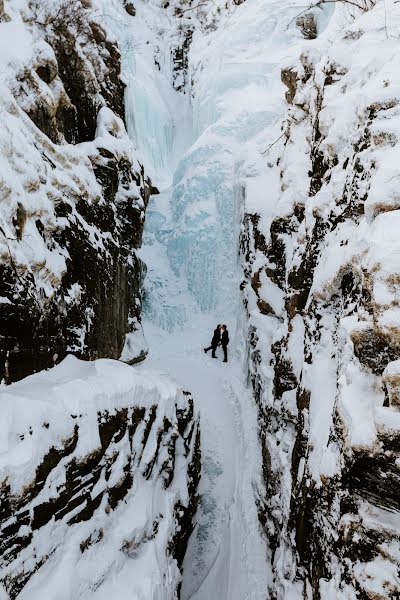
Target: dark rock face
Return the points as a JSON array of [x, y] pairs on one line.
[[88, 203], [185, 515], [319, 524], [3, 15], [181, 61], [84, 64], [308, 26], [37, 332], [130, 8], [333, 518]]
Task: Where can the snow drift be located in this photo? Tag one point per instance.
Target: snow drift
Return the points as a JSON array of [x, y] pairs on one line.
[[99, 465]]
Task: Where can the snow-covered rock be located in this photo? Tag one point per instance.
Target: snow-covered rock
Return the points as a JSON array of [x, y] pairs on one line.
[[286, 118], [321, 277], [99, 466], [72, 192]]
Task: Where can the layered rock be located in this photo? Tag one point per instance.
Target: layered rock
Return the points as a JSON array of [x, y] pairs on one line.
[[321, 270], [99, 471], [72, 192]]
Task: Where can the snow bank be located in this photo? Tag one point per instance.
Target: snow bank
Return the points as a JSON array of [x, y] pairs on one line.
[[97, 482]]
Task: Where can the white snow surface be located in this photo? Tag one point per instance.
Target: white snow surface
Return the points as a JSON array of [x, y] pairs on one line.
[[126, 555]]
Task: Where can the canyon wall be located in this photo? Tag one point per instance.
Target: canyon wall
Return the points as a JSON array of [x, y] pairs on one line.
[[99, 470], [321, 283], [72, 192]]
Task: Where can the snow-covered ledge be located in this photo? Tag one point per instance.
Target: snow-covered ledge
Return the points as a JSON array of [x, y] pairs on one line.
[[99, 465]]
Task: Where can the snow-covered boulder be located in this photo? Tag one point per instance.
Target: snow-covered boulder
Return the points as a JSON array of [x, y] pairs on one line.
[[99, 466]]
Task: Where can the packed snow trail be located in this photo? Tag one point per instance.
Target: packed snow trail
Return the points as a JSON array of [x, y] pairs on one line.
[[226, 556]]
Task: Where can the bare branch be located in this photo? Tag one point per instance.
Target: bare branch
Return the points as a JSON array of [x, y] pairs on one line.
[[273, 143], [181, 11]]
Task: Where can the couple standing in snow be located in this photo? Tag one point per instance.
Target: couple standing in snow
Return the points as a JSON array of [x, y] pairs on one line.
[[221, 336]]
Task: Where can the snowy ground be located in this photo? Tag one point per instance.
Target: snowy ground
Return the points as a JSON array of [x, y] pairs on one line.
[[226, 557]]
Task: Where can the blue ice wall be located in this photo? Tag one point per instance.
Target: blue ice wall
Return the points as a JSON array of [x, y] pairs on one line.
[[203, 246]]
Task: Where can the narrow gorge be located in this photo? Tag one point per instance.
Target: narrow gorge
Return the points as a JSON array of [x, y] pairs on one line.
[[166, 166]]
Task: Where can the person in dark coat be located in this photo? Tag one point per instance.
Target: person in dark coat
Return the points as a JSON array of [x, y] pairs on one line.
[[215, 341], [225, 341]]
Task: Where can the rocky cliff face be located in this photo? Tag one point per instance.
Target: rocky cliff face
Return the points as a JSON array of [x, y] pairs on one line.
[[72, 192], [321, 292], [98, 482]]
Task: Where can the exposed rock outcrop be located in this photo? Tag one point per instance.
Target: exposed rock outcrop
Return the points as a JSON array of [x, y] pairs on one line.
[[308, 26], [130, 8]]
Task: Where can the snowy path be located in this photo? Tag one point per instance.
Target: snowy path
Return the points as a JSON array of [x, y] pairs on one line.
[[226, 558]]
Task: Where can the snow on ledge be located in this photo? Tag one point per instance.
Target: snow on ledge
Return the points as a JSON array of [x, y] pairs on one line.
[[95, 462], [53, 398]]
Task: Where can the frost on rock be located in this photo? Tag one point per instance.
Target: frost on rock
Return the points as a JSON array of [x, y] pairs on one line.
[[99, 466], [72, 193], [321, 285]]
